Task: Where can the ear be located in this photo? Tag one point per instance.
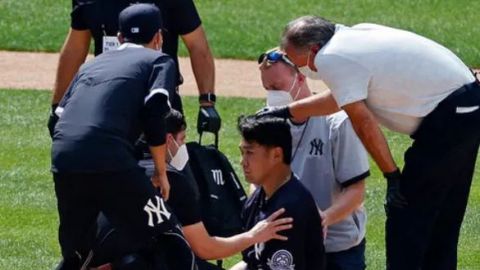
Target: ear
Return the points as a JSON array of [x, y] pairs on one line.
[[277, 154], [159, 38], [315, 49], [120, 37], [168, 138]]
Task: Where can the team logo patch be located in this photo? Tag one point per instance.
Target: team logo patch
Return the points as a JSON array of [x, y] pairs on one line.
[[259, 247], [316, 147], [158, 210], [281, 260], [218, 177]]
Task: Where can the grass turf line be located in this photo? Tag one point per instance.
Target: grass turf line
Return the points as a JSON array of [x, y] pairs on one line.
[[245, 28], [28, 215]]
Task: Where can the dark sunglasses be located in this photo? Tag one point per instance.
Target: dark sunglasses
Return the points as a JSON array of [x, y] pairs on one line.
[[273, 57]]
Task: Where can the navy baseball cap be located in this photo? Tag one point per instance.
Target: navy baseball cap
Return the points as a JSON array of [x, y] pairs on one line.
[[138, 23]]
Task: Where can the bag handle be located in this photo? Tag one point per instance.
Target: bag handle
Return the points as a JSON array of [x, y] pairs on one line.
[[200, 133]]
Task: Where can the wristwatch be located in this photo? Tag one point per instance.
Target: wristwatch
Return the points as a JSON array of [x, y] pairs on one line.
[[208, 97]]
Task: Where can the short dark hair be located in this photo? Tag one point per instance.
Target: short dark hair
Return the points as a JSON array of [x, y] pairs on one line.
[[175, 122], [307, 31], [267, 131]]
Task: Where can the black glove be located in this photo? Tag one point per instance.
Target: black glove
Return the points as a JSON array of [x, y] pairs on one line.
[[52, 120], [394, 197], [208, 120], [276, 111]]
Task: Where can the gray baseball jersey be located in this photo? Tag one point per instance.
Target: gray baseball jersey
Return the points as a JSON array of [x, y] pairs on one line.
[[327, 157]]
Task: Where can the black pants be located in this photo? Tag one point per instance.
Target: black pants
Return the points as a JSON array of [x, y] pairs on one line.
[[436, 182], [127, 199], [169, 251]]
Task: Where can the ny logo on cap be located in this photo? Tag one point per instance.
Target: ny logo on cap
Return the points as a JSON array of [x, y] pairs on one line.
[[134, 30]]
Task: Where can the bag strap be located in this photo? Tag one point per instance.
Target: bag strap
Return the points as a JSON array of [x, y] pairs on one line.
[[94, 249], [214, 133], [235, 183]]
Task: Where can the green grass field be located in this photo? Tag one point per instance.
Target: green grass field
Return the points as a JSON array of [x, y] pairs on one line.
[[236, 29], [28, 217], [244, 28]]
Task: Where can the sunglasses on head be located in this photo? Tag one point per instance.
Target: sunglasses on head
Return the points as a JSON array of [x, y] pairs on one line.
[[273, 57]]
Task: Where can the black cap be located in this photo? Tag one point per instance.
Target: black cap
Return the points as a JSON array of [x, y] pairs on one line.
[[138, 23]]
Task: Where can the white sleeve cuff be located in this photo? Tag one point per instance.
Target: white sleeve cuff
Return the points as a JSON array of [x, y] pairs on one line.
[[158, 91]]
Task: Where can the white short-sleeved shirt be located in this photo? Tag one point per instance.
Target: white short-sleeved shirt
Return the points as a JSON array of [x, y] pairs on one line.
[[328, 156], [401, 76]]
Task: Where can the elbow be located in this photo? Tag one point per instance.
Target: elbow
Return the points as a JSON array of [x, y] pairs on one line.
[[205, 256], [202, 244], [200, 252], [205, 253], [205, 250]]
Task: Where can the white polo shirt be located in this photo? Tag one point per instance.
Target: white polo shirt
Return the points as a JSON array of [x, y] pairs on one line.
[[401, 76]]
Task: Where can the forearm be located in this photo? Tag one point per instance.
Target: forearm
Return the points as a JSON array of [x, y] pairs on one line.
[[158, 156], [201, 60], [225, 247], [203, 68], [72, 56], [368, 131], [210, 247], [345, 204], [319, 104], [68, 65], [376, 144]]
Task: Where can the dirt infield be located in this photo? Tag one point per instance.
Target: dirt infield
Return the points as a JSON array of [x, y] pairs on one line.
[[239, 78], [24, 70]]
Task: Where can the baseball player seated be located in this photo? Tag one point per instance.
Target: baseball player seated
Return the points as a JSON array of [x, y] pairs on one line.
[[115, 249], [266, 154]]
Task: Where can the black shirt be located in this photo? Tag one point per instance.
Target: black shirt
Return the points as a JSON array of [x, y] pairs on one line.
[[111, 100], [184, 199], [184, 195], [304, 248], [180, 17]]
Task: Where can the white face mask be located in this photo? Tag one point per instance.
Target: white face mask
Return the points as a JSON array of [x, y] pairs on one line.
[[281, 97], [307, 72], [181, 157], [278, 98]]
